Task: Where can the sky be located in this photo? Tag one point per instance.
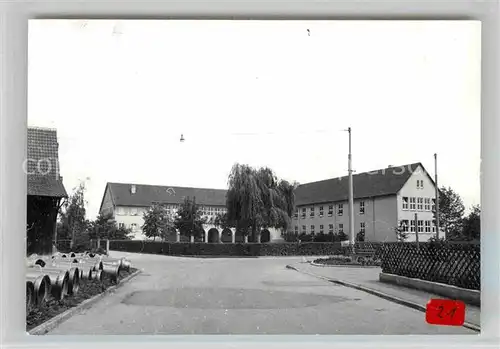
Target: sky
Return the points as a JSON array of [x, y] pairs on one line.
[[263, 93]]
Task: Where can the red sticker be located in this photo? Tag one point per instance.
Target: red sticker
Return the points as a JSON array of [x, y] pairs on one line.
[[445, 312]]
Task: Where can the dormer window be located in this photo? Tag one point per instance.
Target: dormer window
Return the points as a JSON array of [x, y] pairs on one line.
[[133, 189]]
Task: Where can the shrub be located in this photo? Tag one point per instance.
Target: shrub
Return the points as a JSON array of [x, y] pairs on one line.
[[227, 249]]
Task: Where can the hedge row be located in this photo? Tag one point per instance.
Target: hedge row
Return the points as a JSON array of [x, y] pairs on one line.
[[237, 249]]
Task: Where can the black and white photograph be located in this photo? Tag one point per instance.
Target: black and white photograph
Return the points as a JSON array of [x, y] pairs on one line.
[[253, 177]]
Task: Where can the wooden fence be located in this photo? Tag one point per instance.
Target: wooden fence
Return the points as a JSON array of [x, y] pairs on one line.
[[457, 264]]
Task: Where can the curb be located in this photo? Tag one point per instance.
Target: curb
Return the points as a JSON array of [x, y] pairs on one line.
[[60, 318], [342, 266], [382, 295]]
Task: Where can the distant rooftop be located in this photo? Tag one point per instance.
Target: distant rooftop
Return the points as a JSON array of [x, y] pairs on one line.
[[143, 195], [383, 182]]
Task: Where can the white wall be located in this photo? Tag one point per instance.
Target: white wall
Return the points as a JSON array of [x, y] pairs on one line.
[[412, 190]]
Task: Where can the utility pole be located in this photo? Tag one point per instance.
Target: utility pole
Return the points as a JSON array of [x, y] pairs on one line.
[[192, 217], [437, 194], [351, 199], [416, 229]]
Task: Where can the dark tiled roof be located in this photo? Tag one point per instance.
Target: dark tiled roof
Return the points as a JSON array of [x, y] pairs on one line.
[[382, 182], [145, 195], [42, 164], [45, 186]]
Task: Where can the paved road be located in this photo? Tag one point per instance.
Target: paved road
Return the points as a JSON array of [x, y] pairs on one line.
[[177, 295]]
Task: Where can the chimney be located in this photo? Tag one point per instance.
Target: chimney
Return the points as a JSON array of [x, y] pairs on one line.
[[132, 189]]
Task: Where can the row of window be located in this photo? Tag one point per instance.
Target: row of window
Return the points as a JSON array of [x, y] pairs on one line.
[[419, 204], [133, 226], [422, 226], [340, 211], [312, 231], [172, 208]]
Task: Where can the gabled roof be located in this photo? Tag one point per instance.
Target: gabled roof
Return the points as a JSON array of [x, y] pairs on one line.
[[42, 164], [388, 181], [145, 195]]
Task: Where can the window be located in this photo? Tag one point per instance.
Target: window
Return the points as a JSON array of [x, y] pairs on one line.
[[321, 211], [427, 204], [321, 227], [296, 214], [362, 227], [330, 228], [340, 210], [303, 229], [296, 230], [121, 225], [361, 207], [427, 226], [312, 229], [312, 212], [433, 225], [420, 184], [412, 203], [404, 225], [330, 210], [405, 202], [133, 211], [420, 226], [133, 226], [341, 228], [420, 204], [303, 215], [412, 226], [433, 208]]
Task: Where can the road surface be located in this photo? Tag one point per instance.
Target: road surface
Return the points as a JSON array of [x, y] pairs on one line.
[[175, 295]]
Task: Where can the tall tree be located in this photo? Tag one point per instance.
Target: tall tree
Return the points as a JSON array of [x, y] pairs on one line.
[[451, 212], [72, 222], [158, 222], [401, 232], [189, 220], [105, 227], [257, 199], [472, 224], [244, 199], [221, 220]]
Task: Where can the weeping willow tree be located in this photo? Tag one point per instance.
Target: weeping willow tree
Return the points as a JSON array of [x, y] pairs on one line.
[[257, 199]]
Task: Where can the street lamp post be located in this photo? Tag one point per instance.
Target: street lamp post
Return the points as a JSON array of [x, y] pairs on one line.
[[351, 194], [437, 195]]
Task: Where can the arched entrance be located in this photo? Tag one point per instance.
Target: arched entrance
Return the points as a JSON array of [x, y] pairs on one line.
[[213, 235], [226, 236], [265, 236]]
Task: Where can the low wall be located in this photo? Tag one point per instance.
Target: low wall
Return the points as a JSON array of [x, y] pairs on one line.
[[472, 297]]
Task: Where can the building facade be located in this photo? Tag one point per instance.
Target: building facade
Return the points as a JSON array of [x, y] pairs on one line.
[[127, 203], [383, 200], [45, 189]]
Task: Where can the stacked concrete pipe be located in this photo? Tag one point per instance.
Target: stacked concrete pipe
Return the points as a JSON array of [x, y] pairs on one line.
[[109, 266], [58, 279], [41, 286], [73, 274], [30, 296]]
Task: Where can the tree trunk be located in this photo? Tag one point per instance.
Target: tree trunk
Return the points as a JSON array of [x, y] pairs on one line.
[[254, 231]]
